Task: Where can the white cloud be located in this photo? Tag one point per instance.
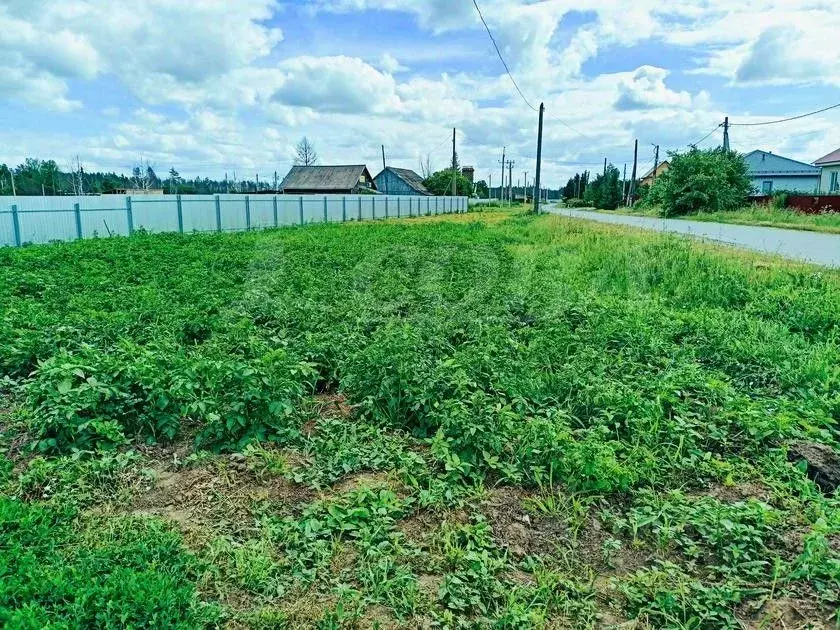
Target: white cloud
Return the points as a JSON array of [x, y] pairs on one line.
[[646, 89]]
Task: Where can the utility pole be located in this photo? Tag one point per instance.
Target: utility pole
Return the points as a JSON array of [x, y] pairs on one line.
[[12, 176], [655, 162], [511, 164], [525, 187], [502, 187], [633, 179], [726, 134], [490, 186], [539, 159], [275, 181], [454, 167], [605, 167], [385, 178], [624, 183]]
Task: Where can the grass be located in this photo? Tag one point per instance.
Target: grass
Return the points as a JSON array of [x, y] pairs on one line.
[[762, 215], [480, 420]]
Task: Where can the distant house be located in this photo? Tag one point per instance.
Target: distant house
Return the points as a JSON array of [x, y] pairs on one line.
[[770, 173], [652, 174], [138, 191], [829, 173], [400, 181], [328, 180]]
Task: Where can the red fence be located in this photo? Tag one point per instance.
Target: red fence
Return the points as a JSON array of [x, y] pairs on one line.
[[807, 204]]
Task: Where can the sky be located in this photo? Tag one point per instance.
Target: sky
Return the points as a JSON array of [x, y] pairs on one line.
[[212, 87]]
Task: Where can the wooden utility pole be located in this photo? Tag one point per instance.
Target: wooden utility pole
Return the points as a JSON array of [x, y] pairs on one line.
[[539, 160], [726, 134], [502, 186], [633, 179], [384, 177], [454, 167], [655, 161], [605, 167], [490, 185], [624, 183], [511, 164], [275, 181]]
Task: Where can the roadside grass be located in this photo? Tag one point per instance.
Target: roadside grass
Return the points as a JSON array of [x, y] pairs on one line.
[[490, 419], [761, 215]]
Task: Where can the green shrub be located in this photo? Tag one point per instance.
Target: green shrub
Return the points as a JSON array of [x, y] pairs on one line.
[[577, 203], [712, 180]]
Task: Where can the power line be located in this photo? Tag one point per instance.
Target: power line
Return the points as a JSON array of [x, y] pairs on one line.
[[706, 137], [776, 122], [499, 52]]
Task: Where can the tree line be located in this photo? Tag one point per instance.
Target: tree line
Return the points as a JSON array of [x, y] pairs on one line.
[[45, 177]]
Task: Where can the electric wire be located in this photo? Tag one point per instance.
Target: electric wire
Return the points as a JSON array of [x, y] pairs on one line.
[[783, 120]]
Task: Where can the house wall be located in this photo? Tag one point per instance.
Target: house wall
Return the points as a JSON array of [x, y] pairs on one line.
[[825, 180], [782, 182], [388, 182]]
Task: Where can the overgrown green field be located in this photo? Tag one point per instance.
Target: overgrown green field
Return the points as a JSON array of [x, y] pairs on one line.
[[481, 420]]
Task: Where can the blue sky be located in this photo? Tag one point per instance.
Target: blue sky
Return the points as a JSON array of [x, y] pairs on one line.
[[209, 86]]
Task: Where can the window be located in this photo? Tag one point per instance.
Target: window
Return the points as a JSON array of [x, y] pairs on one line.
[[767, 188], [834, 186]]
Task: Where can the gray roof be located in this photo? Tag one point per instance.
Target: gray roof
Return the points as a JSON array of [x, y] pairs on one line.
[[324, 177], [831, 158], [764, 164], [411, 178]]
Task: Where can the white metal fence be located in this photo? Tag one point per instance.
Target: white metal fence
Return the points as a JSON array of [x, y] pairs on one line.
[[31, 220]]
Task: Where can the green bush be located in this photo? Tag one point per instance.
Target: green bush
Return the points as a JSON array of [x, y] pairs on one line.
[[577, 203], [713, 180]]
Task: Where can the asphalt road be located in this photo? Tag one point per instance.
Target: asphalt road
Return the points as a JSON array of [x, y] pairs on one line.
[[813, 247]]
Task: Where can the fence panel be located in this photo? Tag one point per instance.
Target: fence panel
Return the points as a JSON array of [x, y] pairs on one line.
[[47, 219], [198, 213], [155, 214]]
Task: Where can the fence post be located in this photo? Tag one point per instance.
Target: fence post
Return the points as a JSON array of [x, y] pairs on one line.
[[247, 213], [360, 207], [16, 224], [276, 224], [436, 205], [180, 213], [300, 208], [343, 209], [373, 208], [77, 211], [326, 218], [399, 207], [218, 213], [129, 215], [386, 206]]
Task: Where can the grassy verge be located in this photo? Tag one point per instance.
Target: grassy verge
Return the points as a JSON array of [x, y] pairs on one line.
[[765, 216], [468, 421]]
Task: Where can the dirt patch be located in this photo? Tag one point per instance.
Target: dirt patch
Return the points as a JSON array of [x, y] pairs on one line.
[[215, 497], [429, 585], [737, 492], [823, 463], [363, 480], [518, 531], [333, 405], [377, 616], [785, 612], [421, 527]]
